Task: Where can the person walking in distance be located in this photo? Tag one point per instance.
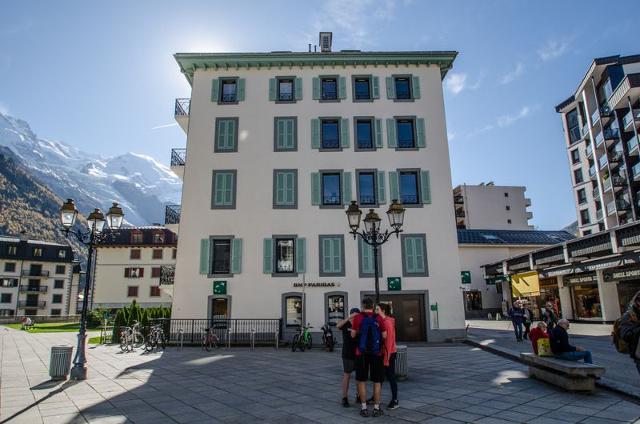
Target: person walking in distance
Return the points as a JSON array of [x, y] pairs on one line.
[[389, 351], [527, 317], [630, 329], [549, 316], [517, 318], [348, 354], [368, 327]]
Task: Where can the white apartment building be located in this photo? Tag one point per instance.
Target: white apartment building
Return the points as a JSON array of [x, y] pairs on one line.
[[600, 121], [488, 206], [37, 278], [135, 263], [278, 144]]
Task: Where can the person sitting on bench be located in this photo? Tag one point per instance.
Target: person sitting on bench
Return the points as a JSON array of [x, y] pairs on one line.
[[562, 349]]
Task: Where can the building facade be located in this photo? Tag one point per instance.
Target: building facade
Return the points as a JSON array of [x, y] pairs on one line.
[[488, 206], [37, 278], [600, 123], [476, 248], [135, 263], [278, 144]]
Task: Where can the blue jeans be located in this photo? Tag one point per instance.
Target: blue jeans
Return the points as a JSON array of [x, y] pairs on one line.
[[576, 356], [517, 327]]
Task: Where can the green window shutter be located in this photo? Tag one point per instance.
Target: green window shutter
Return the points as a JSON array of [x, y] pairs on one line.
[[204, 256], [241, 84], [344, 133], [272, 89], [391, 133], [228, 189], [316, 88], [391, 89], [394, 193], [215, 86], [416, 87], [379, 138], [290, 195], [301, 247], [267, 256], [236, 256], [279, 188], [381, 188], [290, 134], [346, 188], [231, 135], [366, 257], [409, 255], [315, 188], [222, 134], [375, 84], [337, 254], [218, 189], [425, 187], [281, 133], [326, 255], [419, 259], [315, 133], [342, 88], [298, 88], [420, 132]]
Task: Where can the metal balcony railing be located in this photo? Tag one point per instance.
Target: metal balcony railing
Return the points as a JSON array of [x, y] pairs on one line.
[[178, 157], [598, 214], [606, 184], [618, 180], [611, 133], [632, 145], [30, 304], [32, 273], [285, 97], [602, 161], [596, 193], [457, 199], [611, 207], [25, 288], [460, 214], [635, 171], [595, 116], [172, 214], [182, 107], [623, 205]]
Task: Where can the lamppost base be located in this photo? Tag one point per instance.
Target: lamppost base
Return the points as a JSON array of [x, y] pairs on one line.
[[78, 372]]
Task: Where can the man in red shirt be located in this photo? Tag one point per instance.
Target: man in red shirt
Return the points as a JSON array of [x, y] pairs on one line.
[[369, 365]]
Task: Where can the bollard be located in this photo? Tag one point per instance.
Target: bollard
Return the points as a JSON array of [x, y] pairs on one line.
[[253, 339], [277, 339], [498, 317], [180, 339], [402, 367], [489, 316], [229, 338]]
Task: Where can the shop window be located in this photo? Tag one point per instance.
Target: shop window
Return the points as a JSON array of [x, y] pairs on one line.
[[586, 300], [335, 308], [293, 310], [472, 300]]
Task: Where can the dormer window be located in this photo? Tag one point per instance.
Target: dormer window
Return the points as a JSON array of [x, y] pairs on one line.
[[136, 237], [158, 237]]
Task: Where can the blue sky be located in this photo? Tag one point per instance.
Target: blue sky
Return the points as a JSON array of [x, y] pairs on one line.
[[101, 76]]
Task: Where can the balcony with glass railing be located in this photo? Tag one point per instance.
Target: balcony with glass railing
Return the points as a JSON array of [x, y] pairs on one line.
[[611, 207], [595, 116], [584, 130], [592, 172], [26, 288], [181, 114], [635, 172], [595, 193], [589, 151], [599, 139], [630, 117], [606, 184], [602, 161], [32, 304], [611, 133], [623, 205], [599, 214], [632, 146]]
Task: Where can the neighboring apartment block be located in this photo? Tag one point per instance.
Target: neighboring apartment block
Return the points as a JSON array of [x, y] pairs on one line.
[[601, 134], [278, 144], [37, 278], [135, 263], [488, 206]]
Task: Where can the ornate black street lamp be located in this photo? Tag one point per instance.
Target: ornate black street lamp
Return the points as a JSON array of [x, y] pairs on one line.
[[95, 234], [371, 234]]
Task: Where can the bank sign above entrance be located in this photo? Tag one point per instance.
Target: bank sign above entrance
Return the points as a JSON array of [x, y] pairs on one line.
[[317, 284]]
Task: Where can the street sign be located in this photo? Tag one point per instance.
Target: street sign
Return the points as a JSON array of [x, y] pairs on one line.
[[465, 277], [434, 307], [219, 287], [394, 283]]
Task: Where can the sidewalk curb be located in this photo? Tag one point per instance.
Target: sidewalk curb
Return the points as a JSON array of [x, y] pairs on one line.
[[605, 383]]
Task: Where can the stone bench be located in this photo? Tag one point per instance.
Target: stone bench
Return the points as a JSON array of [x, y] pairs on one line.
[[570, 375]]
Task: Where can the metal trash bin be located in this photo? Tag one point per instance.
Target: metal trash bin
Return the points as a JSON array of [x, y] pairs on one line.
[[402, 368], [60, 362]]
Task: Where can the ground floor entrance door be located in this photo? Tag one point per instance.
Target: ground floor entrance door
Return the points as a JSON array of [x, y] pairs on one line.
[[219, 309], [408, 310]]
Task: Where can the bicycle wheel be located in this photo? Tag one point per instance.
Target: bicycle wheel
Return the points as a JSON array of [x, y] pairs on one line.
[[137, 340], [294, 343], [150, 342], [163, 342], [330, 343], [308, 342], [123, 341]]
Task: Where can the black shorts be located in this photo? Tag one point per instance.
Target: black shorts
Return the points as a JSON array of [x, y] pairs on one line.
[[369, 367], [348, 365]]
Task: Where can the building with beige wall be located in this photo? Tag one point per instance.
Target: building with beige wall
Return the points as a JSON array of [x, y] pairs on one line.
[[488, 206], [135, 263], [37, 278], [277, 145]]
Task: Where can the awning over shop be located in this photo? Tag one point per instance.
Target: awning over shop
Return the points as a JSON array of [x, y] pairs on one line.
[[525, 284]]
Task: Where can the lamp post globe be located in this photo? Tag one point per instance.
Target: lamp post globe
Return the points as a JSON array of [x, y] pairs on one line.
[[96, 221], [372, 222], [68, 214], [353, 215], [395, 213], [115, 216]]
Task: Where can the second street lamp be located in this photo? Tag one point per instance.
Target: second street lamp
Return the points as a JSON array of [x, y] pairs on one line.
[[371, 235], [96, 222]]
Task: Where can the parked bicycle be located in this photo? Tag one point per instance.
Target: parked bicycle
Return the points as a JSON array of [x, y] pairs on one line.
[[302, 339], [209, 339], [328, 341], [131, 337], [155, 338]]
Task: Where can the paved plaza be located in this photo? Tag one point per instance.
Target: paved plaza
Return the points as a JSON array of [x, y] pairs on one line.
[[447, 384]]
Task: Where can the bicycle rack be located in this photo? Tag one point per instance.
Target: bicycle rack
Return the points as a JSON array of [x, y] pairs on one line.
[[253, 339], [180, 338]]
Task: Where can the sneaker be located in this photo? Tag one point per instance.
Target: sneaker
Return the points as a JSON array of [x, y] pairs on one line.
[[364, 412], [377, 412], [345, 402], [393, 404], [370, 401]]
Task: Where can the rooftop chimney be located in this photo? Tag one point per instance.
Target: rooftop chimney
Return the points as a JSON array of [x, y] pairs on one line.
[[325, 41]]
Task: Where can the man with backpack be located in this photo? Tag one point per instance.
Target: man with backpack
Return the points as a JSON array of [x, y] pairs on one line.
[[368, 329], [626, 331]]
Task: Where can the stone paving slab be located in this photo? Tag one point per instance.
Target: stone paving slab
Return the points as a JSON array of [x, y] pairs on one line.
[[447, 384]]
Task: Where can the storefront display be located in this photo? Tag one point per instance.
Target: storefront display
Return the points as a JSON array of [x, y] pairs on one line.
[[626, 291], [335, 309], [586, 301]]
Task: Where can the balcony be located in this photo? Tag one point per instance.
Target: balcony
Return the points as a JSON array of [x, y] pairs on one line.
[[629, 86], [602, 161], [527, 202], [25, 288], [592, 173], [619, 181], [35, 274], [584, 131], [167, 273], [589, 151], [172, 217], [611, 133], [178, 161], [595, 116], [460, 214], [635, 172], [458, 199], [611, 207], [606, 184], [595, 193], [623, 205], [30, 304], [599, 214], [182, 113], [529, 215], [632, 146], [599, 139]]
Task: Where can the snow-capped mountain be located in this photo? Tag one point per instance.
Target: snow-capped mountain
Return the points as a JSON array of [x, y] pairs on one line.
[[142, 185]]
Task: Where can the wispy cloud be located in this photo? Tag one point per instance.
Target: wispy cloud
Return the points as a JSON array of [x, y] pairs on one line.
[[512, 75], [165, 126], [455, 82], [554, 48], [507, 120]]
